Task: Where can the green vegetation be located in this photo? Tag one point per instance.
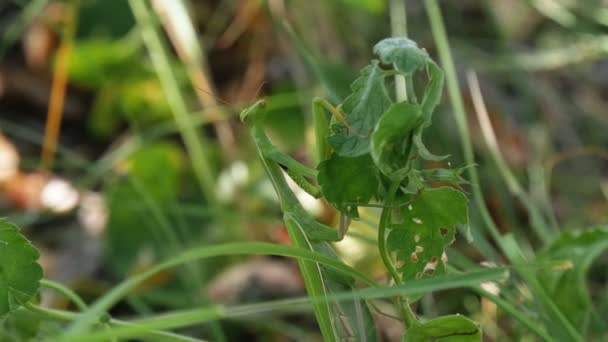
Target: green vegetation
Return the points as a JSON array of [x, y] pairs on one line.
[[327, 211]]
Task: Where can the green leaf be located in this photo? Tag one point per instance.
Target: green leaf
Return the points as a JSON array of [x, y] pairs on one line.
[[392, 139], [427, 227], [453, 328], [567, 285], [26, 325], [20, 274], [337, 79], [372, 6], [150, 176], [402, 53], [95, 61], [345, 181], [362, 109]]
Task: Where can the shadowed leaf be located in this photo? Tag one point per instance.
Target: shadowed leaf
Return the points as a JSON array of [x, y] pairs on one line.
[[362, 110], [20, 274]]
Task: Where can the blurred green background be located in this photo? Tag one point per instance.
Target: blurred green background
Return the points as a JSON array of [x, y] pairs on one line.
[[151, 157]]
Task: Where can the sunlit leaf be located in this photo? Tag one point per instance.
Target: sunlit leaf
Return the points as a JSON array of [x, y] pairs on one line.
[[453, 328], [362, 110], [345, 181], [403, 53], [20, 272], [426, 228], [392, 139]]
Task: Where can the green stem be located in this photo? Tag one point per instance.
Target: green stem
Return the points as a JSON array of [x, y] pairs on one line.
[[408, 315], [507, 244], [403, 85], [59, 315], [151, 335], [537, 220], [239, 248], [399, 29], [64, 290], [160, 60], [447, 63]]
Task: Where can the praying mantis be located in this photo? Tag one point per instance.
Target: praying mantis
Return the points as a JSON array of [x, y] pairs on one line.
[[365, 151], [304, 231]]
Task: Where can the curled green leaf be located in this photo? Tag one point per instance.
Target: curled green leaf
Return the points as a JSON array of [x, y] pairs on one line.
[[403, 53], [20, 272], [392, 139]]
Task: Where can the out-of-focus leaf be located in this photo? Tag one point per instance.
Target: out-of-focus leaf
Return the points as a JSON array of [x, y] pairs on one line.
[[372, 6], [453, 328], [337, 78], [362, 110], [345, 181], [151, 175], [144, 101], [284, 125], [112, 19], [94, 61], [403, 53], [20, 272], [25, 325], [392, 139], [426, 228], [567, 285]]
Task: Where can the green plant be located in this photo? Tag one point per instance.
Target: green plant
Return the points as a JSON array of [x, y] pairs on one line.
[[370, 147]]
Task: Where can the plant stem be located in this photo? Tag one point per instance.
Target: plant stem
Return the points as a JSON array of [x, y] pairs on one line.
[[151, 335], [59, 87], [399, 29], [398, 16], [409, 317], [537, 221], [407, 314], [447, 63], [160, 60], [555, 318], [119, 291], [64, 290]]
